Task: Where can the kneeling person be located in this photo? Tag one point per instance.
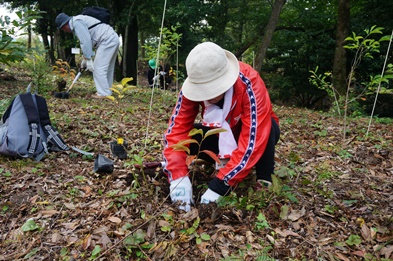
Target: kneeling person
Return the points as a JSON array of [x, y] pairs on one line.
[[231, 95]]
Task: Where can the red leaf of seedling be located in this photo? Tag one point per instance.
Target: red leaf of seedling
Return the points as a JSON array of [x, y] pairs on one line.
[[214, 131], [190, 159], [212, 155]]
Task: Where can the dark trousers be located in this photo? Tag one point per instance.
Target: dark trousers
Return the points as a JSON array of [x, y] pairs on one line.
[[265, 165]]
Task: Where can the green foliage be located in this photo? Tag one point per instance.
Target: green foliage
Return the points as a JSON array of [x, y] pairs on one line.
[[12, 50], [384, 120], [30, 225], [353, 240], [365, 47], [261, 222], [324, 82], [193, 231], [95, 253], [167, 47], [135, 243], [4, 103], [39, 70]]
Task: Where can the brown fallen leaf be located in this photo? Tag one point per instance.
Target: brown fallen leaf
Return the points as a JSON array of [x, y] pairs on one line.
[[296, 214], [71, 225], [151, 230], [387, 251], [86, 242], [342, 257], [250, 237], [359, 253], [104, 241], [114, 219], [285, 233], [366, 234], [69, 205], [56, 238], [49, 213]]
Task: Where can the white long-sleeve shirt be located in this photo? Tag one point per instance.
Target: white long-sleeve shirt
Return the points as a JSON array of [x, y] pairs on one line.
[[89, 39]]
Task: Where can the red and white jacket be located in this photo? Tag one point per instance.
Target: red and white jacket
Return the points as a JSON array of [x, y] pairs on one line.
[[250, 119]]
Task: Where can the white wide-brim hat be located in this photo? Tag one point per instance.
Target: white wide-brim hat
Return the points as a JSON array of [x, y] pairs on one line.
[[211, 71]]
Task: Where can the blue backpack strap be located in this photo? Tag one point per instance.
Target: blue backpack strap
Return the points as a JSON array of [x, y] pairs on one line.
[[52, 134], [33, 120]]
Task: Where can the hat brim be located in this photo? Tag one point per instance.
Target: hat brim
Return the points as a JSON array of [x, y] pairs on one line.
[[210, 90], [64, 22]]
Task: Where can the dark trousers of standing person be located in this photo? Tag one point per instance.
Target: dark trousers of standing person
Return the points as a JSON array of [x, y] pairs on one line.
[[265, 165]]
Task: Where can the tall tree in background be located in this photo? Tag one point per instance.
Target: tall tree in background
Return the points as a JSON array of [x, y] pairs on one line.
[[268, 33], [127, 27], [340, 57]]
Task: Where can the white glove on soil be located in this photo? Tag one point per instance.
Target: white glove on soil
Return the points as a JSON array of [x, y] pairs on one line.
[[84, 63], [181, 190], [90, 65], [209, 196]]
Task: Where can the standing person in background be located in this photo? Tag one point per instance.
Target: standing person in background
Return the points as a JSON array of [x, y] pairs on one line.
[[163, 77], [231, 95], [93, 34], [151, 77]]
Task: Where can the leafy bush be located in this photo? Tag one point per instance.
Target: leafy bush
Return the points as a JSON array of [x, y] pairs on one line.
[[12, 50]]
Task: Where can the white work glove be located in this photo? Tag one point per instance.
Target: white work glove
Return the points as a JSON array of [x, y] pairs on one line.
[[181, 190], [90, 65], [156, 77], [162, 73], [209, 196], [84, 63]]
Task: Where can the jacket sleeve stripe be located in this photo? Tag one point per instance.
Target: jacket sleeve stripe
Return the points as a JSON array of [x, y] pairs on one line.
[[253, 127], [173, 122]]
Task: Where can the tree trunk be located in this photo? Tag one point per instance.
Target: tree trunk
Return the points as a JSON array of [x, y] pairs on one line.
[[50, 56], [340, 57], [269, 30], [130, 48], [29, 37], [130, 51]]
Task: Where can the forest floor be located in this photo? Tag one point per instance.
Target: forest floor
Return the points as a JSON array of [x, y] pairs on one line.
[[332, 199]]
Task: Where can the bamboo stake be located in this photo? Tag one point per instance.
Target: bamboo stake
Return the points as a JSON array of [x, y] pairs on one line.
[[379, 85]]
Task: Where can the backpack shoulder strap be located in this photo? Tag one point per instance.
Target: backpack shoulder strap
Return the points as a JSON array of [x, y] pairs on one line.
[[52, 134], [7, 113], [94, 25], [33, 121]]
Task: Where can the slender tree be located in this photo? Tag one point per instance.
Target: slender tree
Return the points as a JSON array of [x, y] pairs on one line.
[[268, 33], [340, 57]]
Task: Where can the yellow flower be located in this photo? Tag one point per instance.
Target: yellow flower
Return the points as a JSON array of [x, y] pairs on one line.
[[120, 141]]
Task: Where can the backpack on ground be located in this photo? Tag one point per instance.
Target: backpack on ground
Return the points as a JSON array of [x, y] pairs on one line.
[[26, 130], [99, 13]]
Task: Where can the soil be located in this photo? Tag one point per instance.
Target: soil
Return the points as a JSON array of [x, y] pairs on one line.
[[331, 198]]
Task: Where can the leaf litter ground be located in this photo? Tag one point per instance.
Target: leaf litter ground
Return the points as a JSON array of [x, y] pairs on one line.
[[332, 199]]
